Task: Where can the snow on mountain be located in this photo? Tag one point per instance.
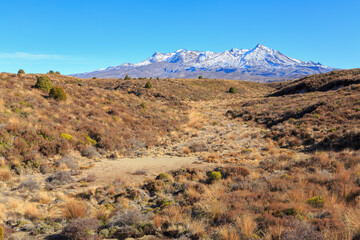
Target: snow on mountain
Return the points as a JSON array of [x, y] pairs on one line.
[[259, 63]]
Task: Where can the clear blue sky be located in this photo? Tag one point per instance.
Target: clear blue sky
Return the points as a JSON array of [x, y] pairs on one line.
[[74, 36]]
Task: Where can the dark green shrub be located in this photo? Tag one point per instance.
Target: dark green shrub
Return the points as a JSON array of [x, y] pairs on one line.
[[58, 73], [58, 94], [21, 71], [232, 90], [43, 83], [127, 77], [94, 78], [157, 78], [148, 85], [51, 72], [200, 77]]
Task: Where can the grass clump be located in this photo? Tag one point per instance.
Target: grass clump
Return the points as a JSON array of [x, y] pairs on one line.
[[232, 90], [21, 71], [74, 209], [43, 83], [316, 202], [148, 85], [58, 94], [1, 232], [214, 176]]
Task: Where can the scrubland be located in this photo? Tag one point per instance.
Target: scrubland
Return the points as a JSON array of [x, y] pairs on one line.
[[271, 161]]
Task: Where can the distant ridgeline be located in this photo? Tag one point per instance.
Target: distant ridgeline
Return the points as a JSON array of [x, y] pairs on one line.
[[257, 64]]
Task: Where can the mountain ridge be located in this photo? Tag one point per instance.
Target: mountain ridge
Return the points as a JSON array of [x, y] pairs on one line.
[[260, 63]]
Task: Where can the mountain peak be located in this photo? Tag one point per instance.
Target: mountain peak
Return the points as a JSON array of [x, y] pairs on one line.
[[260, 46], [260, 62]]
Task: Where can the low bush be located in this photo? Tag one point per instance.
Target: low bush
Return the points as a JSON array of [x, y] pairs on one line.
[[43, 83], [214, 176], [232, 90], [66, 136], [30, 184], [58, 94], [69, 162], [21, 71], [131, 217], [81, 229], [90, 178], [164, 177], [90, 152], [316, 202], [148, 85], [60, 178]]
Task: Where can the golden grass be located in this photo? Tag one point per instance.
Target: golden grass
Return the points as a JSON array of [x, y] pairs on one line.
[[352, 221], [75, 209], [31, 211], [44, 198], [197, 228], [246, 223], [5, 174], [2, 211]]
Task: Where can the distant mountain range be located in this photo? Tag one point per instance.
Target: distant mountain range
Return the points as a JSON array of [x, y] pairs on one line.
[[257, 64]]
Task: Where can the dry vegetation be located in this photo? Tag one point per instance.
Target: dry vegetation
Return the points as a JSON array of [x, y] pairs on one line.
[[272, 165]]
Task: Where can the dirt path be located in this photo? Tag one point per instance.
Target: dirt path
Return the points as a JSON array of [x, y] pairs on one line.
[[135, 170], [208, 131]]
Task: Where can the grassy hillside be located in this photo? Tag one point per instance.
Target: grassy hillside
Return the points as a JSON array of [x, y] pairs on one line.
[[265, 162], [326, 117], [319, 82], [113, 115]]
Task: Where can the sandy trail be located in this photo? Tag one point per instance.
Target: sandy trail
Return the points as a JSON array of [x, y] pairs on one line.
[[107, 170], [224, 136]]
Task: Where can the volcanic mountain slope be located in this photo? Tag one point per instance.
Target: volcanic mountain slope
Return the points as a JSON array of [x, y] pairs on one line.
[[257, 64]]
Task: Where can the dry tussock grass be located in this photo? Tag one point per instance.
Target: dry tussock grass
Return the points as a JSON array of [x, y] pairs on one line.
[[5, 174], [75, 209], [32, 212]]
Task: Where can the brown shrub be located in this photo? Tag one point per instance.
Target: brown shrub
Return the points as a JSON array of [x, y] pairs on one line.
[[81, 229]]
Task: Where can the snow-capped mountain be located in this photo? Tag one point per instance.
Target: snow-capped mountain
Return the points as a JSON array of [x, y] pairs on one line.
[[259, 63]]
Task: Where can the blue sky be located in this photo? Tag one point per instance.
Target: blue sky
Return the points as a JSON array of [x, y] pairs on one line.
[[74, 36]]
